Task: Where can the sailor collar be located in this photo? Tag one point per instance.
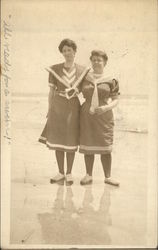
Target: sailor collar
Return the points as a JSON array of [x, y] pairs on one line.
[[103, 78]]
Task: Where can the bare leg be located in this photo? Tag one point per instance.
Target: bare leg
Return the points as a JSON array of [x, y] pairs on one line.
[[70, 160], [60, 160], [59, 178], [106, 160], [89, 161]]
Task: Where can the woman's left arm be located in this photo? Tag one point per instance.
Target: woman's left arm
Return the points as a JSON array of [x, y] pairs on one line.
[[112, 104], [104, 108], [114, 94]]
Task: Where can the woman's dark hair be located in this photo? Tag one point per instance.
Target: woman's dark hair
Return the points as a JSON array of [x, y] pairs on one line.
[[99, 53], [69, 43]]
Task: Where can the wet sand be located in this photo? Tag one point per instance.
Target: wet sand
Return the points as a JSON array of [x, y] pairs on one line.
[[98, 214]]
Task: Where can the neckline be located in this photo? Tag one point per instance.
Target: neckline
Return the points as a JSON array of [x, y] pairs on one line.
[[68, 68]]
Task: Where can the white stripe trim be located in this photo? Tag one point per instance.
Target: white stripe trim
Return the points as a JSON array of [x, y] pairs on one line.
[[69, 74], [57, 145], [61, 146], [69, 80], [78, 81], [80, 78], [57, 77], [95, 147], [43, 138]]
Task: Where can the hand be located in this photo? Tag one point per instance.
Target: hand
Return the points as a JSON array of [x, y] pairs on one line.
[[102, 109]]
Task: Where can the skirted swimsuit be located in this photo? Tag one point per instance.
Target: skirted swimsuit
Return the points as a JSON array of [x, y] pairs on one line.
[[61, 131], [96, 130]]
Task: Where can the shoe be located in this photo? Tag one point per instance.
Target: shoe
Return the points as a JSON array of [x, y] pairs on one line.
[[111, 182], [69, 180], [86, 180], [59, 178]]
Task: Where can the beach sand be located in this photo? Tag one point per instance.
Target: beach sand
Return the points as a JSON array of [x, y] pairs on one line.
[[99, 214]]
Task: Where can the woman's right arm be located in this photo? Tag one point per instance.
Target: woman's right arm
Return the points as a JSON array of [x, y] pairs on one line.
[[52, 85], [50, 97]]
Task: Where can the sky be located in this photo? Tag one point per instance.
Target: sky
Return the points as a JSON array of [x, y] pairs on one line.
[[125, 29]]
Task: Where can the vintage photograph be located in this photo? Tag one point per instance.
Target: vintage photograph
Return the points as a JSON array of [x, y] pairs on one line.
[[79, 124]]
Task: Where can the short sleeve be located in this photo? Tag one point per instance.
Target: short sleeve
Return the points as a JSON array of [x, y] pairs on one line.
[[114, 89], [51, 80]]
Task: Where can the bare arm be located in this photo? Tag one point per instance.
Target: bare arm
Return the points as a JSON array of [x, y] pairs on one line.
[[107, 107], [112, 104]]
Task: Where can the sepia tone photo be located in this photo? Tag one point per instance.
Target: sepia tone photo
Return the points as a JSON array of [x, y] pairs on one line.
[[79, 124]]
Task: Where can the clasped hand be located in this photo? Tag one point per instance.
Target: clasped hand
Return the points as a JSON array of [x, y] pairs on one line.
[[102, 109]]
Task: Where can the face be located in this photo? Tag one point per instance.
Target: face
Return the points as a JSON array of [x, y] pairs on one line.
[[68, 53], [98, 64]]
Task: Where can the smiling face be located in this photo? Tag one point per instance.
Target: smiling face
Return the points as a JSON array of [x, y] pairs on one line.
[[98, 64], [68, 53]]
